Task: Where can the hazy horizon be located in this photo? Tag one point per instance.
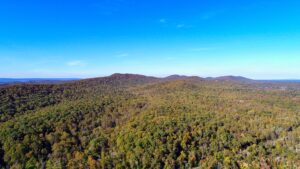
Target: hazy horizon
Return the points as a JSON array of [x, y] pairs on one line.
[[83, 39], [157, 76]]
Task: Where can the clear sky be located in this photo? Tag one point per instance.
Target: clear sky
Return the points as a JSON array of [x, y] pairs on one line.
[[86, 38]]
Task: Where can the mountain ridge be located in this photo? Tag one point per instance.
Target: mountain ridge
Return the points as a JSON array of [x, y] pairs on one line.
[[130, 77]]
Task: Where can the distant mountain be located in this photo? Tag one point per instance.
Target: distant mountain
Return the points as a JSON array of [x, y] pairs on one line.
[[130, 76], [34, 80], [119, 79], [230, 78], [282, 81], [175, 77], [179, 77], [221, 78]]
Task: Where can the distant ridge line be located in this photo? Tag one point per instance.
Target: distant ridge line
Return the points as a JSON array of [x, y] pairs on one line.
[[4, 81]]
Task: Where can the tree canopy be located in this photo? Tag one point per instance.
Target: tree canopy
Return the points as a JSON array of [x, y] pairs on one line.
[[133, 121]]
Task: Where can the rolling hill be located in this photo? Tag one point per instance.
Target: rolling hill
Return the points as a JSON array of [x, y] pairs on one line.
[[136, 121]]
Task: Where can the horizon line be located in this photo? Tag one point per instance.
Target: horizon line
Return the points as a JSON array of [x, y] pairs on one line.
[[90, 77]]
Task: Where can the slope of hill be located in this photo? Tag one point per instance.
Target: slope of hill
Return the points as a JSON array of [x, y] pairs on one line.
[[135, 121]]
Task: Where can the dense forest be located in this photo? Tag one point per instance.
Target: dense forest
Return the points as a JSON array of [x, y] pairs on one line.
[[135, 121]]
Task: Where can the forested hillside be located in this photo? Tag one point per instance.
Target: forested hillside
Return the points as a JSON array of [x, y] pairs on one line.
[[135, 121]]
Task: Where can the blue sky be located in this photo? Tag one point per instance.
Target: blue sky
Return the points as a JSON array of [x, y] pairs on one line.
[[88, 38]]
